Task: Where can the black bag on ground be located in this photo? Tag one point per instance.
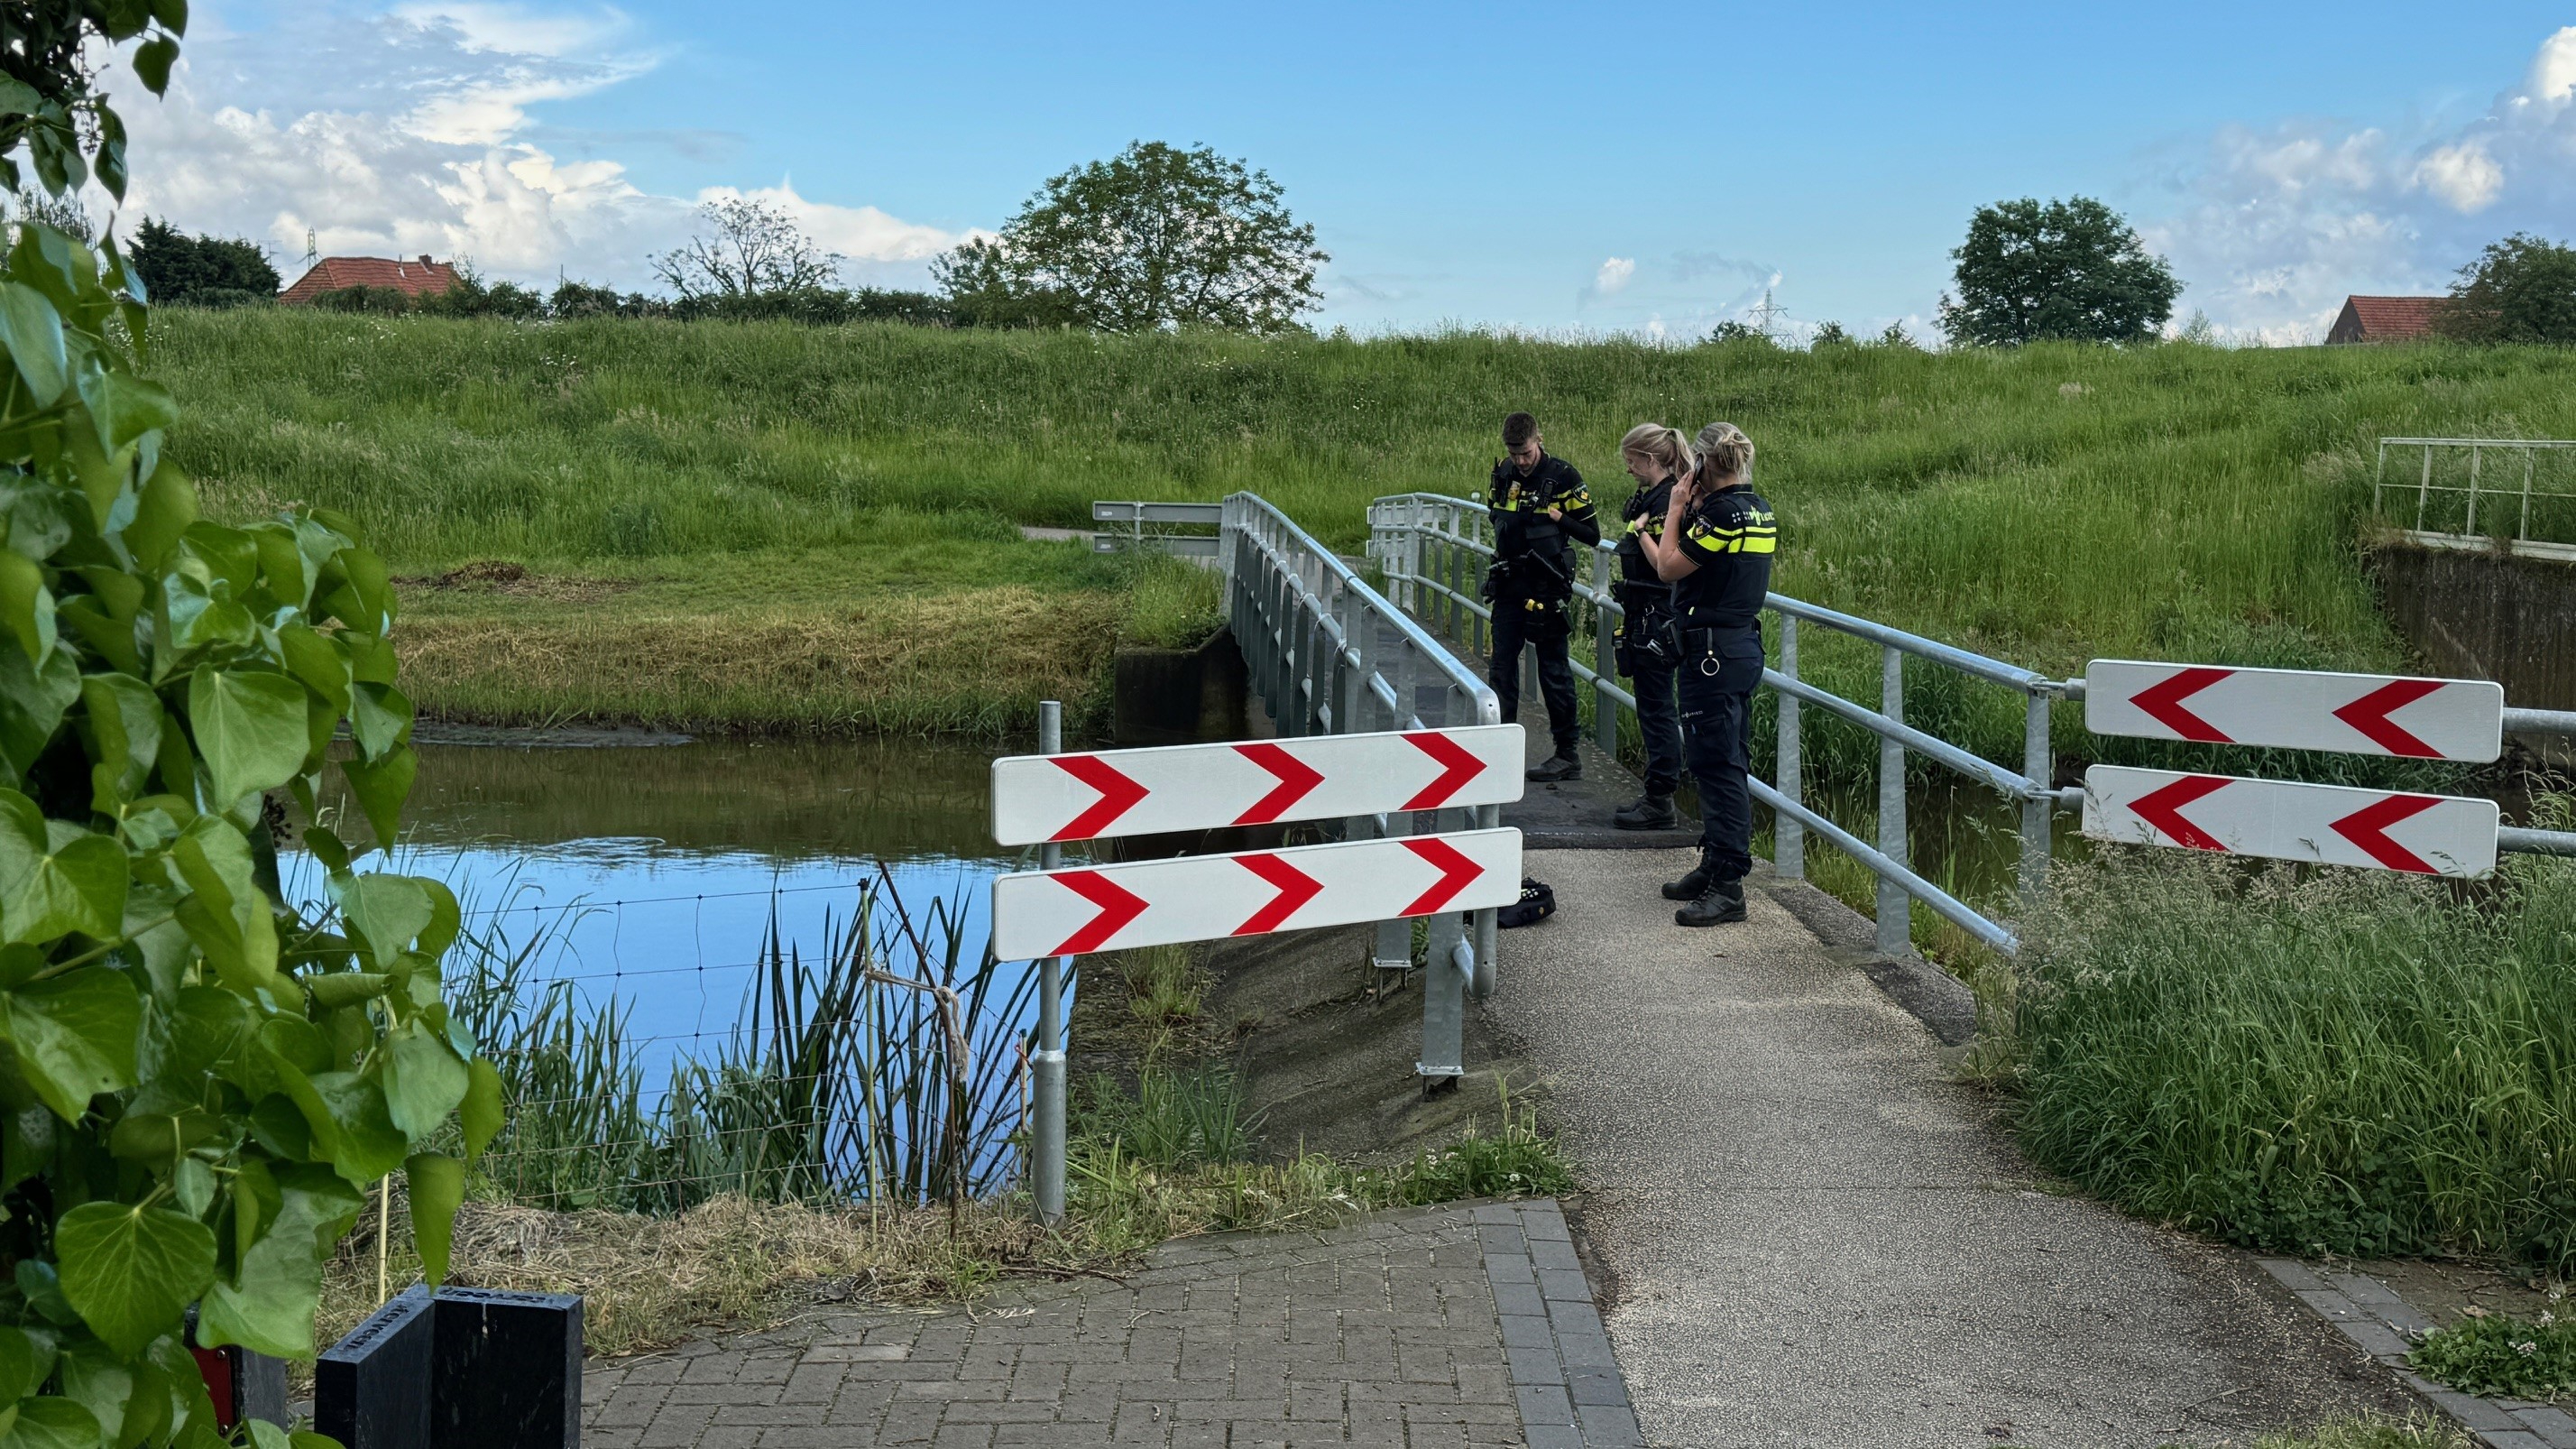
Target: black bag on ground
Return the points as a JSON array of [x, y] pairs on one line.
[[1536, 904]]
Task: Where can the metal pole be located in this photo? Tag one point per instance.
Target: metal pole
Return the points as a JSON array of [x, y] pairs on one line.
[[1895, 908], [1788, 837], [1488, 924], [2038, 765], [2471, 526], [1605, 655], [1444, 990], [1046, 1064], [2424, 489]]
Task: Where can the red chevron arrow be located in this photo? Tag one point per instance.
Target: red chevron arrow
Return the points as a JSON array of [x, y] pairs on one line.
[[1118, 905], [1457, 768], [2370, 715], [1118, 795], [1295, 777], [2164, 701], [2163, 809], [1457, 873], [2367, 828], [1295, 889]]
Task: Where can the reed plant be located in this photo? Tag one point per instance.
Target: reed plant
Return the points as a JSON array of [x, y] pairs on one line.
[[2309, 1060]]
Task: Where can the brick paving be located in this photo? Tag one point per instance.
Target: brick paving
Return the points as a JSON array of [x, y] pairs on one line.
[[2384, 1325], [1439, 1328]]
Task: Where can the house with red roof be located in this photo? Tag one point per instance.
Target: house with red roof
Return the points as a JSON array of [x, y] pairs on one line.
[[417, 277], [2387, 319]]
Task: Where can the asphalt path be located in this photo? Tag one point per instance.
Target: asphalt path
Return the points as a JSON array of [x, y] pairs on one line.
[[1808, 1233]]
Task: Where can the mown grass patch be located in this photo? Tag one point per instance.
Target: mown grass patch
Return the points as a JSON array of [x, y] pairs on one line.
[[2307, 1060]]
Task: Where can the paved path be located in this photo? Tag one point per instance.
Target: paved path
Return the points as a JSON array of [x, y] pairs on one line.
[[1815, 1238], [1444, 1328]]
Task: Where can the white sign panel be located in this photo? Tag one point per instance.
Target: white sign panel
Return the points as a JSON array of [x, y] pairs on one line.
[[2354, 714], [1209, 897], [2329, 824], [1197, 787]]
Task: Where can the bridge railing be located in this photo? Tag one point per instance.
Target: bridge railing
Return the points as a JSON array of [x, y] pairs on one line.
[[1330, 655], [2481, 494], [1435, 550]]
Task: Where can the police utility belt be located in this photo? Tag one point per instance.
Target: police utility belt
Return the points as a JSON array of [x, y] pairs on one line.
[[1644, 638], [1707, 647]]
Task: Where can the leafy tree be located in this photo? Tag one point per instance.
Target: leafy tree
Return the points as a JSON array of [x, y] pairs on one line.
[[64, 214], [471, 296], [2072, 270], [1736, 331], [756, 249], [363, 299], [201, 1079], [2521, 289], [1154, 237], [1897, 337], [200, 271], [1830, 334]]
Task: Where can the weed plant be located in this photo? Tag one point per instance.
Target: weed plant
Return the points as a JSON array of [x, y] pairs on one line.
[[2499, 1355], [2309, 1060], [2376, 1432]]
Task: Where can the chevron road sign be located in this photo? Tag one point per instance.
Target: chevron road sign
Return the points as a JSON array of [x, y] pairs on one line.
[[1040, 798], [2353, 714], [1208, 897], [2329, 824]]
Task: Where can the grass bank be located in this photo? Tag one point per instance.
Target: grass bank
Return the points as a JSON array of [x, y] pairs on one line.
[[2309, 1061], [2045, 504]]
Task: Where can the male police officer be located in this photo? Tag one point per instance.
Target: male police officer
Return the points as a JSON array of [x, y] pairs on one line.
[[1538, 504], [1715, 550]]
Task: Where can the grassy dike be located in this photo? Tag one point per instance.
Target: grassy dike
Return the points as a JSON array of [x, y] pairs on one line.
[[800, 527]]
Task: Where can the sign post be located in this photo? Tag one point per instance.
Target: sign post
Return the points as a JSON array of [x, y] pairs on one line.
[[1046, 1064]]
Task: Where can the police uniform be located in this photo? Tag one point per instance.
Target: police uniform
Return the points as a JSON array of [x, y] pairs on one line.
[[1644, 650], [1532, 578], [1731, 535]]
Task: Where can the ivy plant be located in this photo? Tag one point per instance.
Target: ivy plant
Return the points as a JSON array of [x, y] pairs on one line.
[[198, 1079]]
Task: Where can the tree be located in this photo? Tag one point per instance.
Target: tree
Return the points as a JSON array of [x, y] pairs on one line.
[[1897, 337], [756, 249], [201, 271], [2071, 270], [1829, 334], [202, 1078], [1154, 237], [1736, 331], [2521, 289]]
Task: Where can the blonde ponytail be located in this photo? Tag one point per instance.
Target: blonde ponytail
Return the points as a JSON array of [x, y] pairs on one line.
[[1660, 445], [1725, 454]]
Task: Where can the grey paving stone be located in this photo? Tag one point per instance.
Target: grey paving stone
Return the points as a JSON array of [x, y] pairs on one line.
[[2475, 1413], [2328, 1303], [1544, 1404], [2555, 1427], [2292, 1274]]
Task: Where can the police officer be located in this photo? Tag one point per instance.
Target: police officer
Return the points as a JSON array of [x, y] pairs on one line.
[[1539, 503], [1716, 548], [1656, 457]]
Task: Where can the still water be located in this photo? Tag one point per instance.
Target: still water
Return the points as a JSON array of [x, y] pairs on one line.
[[654, 871]]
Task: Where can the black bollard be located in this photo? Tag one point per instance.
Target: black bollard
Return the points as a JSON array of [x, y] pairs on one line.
[[371, 1390], [507, 1371]]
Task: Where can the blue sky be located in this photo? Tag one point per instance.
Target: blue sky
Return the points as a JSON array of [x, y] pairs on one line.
[[1642, 167]]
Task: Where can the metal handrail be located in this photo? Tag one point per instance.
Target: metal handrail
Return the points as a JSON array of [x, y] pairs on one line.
[[1330, 655], [1400, 526], [2522, 538]]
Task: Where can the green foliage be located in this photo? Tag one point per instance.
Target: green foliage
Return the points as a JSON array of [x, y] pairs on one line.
[[2510, 1357], [2071, 270], [2521, 289], [1155, 237], [1172, 602], [2371, 1065], [200, 271], [1515, 1161], [363, 299], [197, 1078], [749, 248], [1831, 334]]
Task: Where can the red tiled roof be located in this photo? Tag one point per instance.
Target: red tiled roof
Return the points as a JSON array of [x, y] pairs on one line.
[[2387, 319], [330, 274]]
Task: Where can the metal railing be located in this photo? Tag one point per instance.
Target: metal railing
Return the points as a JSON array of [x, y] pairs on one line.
[[2525, 502], [1156, 525], [1330, 655], [1435, 549]]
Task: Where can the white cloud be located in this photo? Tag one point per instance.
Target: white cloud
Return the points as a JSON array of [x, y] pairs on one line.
[[1613, 276], [413, 131], [2274, 226]]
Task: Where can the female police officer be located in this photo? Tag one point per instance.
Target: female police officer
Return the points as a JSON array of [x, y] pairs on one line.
[[1715, 550], [1657, 457]]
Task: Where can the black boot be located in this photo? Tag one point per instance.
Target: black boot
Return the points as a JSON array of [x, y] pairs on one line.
[[1649, 811], [1560, 766], [1722, 902], [1691, 886]]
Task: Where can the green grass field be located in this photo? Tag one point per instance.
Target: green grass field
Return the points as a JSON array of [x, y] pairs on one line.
[[2046, 505]]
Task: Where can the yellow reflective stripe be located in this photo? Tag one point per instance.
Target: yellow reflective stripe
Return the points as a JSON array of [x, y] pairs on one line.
[[1759, 545]]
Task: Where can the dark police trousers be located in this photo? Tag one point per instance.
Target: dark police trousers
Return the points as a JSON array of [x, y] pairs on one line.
[[1717, 738], [1516, 624]]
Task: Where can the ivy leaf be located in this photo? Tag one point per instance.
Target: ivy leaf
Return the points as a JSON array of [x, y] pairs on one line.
[[423, 1080], [481, 1113], [52, 1423], [33, 700], [225, 912], [74, 1036], [163, 513], [33, 333], [335, 989], [381, 788], [250, 729], [152, 61], [437, 1187], [26, 605], [379, 716], [268, 1306], [17, 1365], [388, 912], [45, 894], [131, 1270], [322, 665], [125, 722]]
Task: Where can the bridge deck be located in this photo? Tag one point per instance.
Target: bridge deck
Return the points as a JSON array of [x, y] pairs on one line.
[[1817, 1237]]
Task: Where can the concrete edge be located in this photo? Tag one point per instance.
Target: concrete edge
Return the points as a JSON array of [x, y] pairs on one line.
[[2385, 1326], [1934, 997], [1566, 1377]]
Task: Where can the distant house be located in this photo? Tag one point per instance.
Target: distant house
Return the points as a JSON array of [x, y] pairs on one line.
[[416, 277], [2386, 319]]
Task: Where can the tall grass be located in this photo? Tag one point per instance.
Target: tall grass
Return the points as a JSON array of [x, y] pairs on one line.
[[2310, 1061]]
